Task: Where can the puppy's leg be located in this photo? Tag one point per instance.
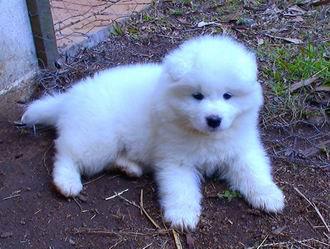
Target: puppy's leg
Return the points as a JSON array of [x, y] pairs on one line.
[[66, 176], [180, 196], [127, 166], [250, 173]]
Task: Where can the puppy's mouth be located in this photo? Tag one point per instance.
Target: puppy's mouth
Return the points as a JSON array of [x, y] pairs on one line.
[[208, 130], [204, 131], [213, 130]]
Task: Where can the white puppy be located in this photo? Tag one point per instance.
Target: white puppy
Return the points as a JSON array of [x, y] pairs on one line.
[[192, 115]]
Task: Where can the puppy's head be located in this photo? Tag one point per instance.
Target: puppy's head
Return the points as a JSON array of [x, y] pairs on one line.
[[211, 82]]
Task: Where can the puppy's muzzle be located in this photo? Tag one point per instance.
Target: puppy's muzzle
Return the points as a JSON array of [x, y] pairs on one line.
[[213, 121]]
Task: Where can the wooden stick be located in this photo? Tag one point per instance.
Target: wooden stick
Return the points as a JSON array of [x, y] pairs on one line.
[[262, 242], [177, 239], [145, 212], [314, 206], [116, 195]]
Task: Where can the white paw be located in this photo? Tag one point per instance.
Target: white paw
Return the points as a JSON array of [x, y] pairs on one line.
[[183, 218], [68, 186], [270, 199]]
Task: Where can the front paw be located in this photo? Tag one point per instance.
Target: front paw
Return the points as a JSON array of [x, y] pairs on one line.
[[183, 217], [268, 198], [69, 187]]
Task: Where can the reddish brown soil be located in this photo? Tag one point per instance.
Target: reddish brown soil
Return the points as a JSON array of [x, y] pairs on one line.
[[33, 215]]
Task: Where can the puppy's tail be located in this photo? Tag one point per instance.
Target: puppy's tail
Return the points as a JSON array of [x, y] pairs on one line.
[[43, 111]]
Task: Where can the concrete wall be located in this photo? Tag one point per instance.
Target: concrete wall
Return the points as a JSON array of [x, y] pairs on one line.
[[18, 62]]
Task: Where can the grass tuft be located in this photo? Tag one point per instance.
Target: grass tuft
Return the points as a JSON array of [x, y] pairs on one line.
[[229, 195], [307, 62]]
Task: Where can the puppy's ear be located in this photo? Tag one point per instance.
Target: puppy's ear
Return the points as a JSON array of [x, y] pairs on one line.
[[178, 63]]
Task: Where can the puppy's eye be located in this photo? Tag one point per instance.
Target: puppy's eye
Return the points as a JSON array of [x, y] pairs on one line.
[[198, 96], [227, 96]]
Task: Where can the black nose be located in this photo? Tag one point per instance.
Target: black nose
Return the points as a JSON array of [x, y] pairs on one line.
[[213, 121]]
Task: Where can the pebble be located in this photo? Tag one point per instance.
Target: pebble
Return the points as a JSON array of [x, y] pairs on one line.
[[5, 235], [72, 242]]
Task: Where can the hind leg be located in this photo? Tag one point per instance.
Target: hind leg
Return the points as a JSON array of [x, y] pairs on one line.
[[66, 176], [127, 166]]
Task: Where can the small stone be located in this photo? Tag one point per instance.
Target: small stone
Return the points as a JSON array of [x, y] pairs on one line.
[[5, 235], [72, 242]]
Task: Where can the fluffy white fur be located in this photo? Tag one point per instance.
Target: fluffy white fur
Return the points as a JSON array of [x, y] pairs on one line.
[[144, 116]]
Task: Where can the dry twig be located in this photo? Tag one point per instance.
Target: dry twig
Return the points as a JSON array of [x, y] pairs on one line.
[[262, 242], [10, 197], [119, 233], [314, 206], [147, 246], [312, 151], [286, 244], [79, 205], [177, 239], [116, 195], [145, 212], [95, 179]]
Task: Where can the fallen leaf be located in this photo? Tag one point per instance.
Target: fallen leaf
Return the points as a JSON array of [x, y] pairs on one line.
[[320, 2], [315, 2], [296, 10], [288, 39], [297, 85], [292, 40], [322, 89], [272, 10], [316, 149], [202, 24], [297, 19], [277, 31]]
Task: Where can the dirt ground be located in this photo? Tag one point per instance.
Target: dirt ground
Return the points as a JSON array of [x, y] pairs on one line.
[[34, 215]]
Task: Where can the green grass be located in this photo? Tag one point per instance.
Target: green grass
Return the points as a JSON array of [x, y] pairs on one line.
[[230, 7], [184, 2], [285, 65], [147, 18], [290, 67], [117, 29], [229, 195], [176, 12]]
